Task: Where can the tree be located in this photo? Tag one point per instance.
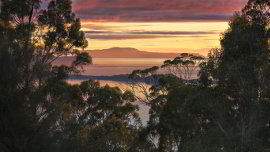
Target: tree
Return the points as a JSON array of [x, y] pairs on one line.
[[183, 66], [240, 70], [173, 119], [106, 120], [31, 38], [228, 110], [39, 110]]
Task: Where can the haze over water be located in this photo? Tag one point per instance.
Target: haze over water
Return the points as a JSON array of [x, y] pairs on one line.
[[116, 66]]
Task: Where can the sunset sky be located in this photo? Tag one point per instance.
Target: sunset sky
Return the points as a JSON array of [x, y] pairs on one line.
[[155, 25]]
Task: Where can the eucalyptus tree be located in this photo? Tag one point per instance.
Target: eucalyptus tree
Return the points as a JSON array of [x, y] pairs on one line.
[[228, 109], [173, 119], [240, 70], [106, 119], [31, 38]]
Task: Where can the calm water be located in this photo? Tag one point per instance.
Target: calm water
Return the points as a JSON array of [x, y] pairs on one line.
[[116, 66]]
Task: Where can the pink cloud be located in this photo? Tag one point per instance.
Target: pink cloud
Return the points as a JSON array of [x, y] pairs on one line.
[[156, 10]]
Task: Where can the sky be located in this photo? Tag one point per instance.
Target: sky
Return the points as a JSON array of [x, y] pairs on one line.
[[156, 25]]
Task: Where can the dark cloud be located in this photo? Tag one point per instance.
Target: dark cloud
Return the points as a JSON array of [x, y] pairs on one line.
[[174, 32], [125, 37], [110, 35], [156, 10], [134, 36], [107, 27], [98, 32]]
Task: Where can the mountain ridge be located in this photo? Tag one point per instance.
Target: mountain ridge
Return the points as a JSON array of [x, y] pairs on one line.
[[118, 52]]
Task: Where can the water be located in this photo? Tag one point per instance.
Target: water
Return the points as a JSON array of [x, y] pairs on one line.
[[116, 66]]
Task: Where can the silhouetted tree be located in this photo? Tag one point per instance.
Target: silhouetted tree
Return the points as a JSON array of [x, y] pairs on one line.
[[228, 110], [173, 119], [106, 119], [39, 110], [31, 38], [240, 70]]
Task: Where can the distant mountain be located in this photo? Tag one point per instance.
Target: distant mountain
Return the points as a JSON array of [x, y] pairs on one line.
[[117, 52]]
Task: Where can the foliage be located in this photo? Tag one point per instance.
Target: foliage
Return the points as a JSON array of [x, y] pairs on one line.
[[228, 108], [31, 106], [106, 119], [239, 69]]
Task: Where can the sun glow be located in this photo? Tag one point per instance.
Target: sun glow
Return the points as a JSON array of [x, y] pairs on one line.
[[155, 36]]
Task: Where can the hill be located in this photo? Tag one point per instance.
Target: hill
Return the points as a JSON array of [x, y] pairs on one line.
[[117, 52]]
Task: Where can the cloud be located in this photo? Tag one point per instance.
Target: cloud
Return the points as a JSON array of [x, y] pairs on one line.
[[134, 36], [154, 32], [108, 27], [125, 37], [156, 10], [110, 35], [174, 32]]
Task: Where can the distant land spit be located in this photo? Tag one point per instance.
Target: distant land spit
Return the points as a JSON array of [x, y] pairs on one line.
[[117, 78]]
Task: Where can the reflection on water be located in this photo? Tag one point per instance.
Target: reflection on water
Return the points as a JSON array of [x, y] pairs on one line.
[[116, 66], [128, 61], [144, 110], [113, 66]]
